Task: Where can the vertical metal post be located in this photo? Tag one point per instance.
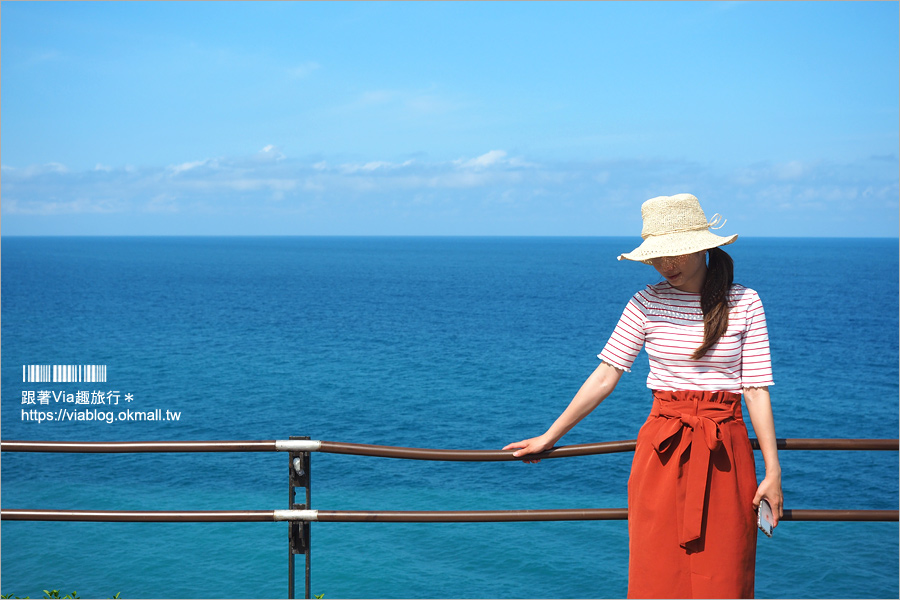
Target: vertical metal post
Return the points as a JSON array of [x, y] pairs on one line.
[[298, 531]]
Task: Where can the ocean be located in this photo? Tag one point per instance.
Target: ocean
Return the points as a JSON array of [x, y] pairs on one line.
[[462, 343]]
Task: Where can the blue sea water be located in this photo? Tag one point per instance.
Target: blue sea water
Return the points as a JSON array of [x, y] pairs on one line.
[[430, 342]]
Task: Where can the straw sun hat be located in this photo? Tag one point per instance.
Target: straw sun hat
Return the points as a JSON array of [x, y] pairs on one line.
[[676, 225]]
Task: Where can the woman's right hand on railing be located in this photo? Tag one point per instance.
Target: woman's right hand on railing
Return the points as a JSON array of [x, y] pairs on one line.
[[534, 445]]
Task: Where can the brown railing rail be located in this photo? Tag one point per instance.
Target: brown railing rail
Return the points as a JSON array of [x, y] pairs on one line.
[[129, 447], [402, 452], [425, 516], [582, 449], [301, 515]]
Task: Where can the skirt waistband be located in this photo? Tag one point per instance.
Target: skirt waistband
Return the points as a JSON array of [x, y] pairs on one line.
[[696, 395], [697, 403]]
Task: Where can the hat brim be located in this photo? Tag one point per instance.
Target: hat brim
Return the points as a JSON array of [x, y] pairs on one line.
[[677, 244]]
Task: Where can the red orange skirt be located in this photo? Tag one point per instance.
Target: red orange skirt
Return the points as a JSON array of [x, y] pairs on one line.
[[691, 522]]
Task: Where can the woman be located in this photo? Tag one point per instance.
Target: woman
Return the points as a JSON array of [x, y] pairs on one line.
[[692, 493]]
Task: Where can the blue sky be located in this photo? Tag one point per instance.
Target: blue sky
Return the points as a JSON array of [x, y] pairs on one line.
[[446, 118]]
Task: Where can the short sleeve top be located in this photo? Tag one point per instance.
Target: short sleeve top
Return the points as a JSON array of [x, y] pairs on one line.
[[669, 323]]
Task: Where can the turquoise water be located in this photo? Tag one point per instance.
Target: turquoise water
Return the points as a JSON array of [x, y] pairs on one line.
[[431, 342]]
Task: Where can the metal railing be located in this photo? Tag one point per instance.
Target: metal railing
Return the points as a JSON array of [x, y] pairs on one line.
[[307, 445], [393, 516], [300, 515]]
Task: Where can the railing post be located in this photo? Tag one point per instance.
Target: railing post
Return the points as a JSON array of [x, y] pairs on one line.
[[298, 531]]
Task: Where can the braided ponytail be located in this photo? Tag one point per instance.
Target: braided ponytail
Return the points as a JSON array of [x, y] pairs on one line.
[[714, 299]]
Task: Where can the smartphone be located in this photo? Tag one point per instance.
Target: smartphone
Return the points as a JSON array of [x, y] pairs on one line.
[[765, 520]]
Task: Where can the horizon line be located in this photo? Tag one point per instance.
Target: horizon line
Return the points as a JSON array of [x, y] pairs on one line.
[[405, 235]]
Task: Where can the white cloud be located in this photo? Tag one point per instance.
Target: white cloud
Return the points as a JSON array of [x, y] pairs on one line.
[[163, 203], [270, 152], [303, 70], [36, 170], [43, 56], [188, 166], [430, 104], [485, 160], [424, 103], [62, 207], [374, 165], [252, 184], [376, 97], [489, 183], [792, 170], [787, 171]]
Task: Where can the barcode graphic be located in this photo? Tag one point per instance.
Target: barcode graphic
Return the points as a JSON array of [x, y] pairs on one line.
[[63, 373]]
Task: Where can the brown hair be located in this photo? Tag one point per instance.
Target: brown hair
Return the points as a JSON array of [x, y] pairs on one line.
[[714, 299]]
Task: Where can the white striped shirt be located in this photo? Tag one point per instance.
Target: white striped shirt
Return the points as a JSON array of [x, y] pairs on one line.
[[670, 323]]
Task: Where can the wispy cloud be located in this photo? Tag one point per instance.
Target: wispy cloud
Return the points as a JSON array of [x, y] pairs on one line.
[[13, 206], [421, 102], [270, 152], [42, 56], [492, 187], [485, 160], [303, 70], [823, 186], [34, 170], [185, 167]]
